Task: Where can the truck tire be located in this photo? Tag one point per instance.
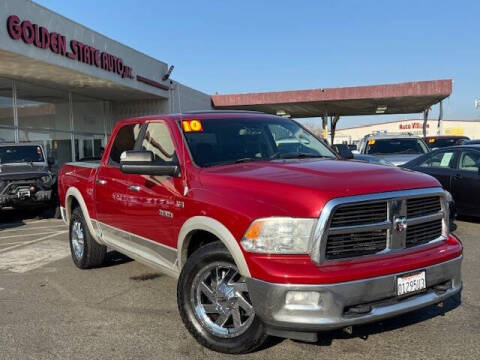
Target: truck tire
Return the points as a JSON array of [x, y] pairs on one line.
[[86, 252], [214, 304]]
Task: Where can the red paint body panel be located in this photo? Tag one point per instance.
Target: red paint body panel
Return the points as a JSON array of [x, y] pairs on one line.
[[235, 195], [300, 270]]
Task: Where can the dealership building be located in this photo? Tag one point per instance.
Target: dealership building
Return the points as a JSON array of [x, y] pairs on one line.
[[65, 85], [469, 128]]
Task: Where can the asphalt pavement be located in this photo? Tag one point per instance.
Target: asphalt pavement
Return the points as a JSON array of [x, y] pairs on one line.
[[51, 310]]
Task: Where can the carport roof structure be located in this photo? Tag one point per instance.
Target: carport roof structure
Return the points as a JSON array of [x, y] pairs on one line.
[[400, 98]]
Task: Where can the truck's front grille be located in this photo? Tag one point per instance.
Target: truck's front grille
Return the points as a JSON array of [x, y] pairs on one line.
[[379, 223], [351, 215], [423, 206], [355, 244], [423, 233]]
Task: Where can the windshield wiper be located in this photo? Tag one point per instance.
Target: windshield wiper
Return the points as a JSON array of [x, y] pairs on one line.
[[247, 159]]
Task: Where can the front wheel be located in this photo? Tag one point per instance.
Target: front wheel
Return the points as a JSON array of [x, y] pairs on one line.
[[214, 303]]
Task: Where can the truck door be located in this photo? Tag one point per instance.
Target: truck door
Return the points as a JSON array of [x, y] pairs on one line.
[[156, 209], [111, 189]]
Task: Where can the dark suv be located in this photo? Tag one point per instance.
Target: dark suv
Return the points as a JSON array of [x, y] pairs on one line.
[[25, 176]]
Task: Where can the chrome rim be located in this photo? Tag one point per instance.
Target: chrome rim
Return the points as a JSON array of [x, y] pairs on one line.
[[78, 239], [220, 300]]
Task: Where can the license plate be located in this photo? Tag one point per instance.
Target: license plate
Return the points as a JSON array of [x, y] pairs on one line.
[[411, 283], [22, 193]]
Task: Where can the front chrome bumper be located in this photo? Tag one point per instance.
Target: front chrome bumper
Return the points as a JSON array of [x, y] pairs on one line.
[[370, 300]]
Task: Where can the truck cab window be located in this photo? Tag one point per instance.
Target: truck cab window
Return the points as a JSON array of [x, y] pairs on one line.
[[158, 140], [124, 141]]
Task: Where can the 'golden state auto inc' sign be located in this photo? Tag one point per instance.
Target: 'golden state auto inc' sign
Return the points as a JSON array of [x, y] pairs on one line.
[[39, 36]]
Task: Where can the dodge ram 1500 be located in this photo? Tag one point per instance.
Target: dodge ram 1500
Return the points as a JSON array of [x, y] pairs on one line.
[[267, 231]]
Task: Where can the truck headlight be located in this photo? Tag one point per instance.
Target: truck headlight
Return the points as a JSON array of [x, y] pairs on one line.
[[279, 235]]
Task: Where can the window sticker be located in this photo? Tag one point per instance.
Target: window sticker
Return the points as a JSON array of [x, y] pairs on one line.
[[446, 159]]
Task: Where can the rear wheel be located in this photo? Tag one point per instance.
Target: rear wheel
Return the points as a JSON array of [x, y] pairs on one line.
[[214, 303], [86, 252]]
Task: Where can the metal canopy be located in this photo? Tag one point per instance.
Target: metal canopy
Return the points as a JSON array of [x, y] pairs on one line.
[[401, 98]]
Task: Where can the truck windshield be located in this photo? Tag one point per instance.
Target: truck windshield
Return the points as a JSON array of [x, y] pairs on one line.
[[229, 141], [395, 146], [21, 154]]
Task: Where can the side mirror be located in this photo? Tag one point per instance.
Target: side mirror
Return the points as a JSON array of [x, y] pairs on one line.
[[141, 163], [50, 161]]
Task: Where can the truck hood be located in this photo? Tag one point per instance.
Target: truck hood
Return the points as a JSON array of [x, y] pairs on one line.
[[301, 187], [399, 159], [22, 171]]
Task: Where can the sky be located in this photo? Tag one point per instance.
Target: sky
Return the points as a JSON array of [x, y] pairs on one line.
[[251, 46]]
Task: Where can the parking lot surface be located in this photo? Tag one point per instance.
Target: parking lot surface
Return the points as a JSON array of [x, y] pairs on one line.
[[51, 310]]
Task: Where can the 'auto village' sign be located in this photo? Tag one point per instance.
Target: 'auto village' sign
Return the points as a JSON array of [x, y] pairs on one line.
[[39, 36]]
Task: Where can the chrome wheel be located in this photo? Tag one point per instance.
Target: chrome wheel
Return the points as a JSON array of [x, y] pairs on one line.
[[78, 239], [220, 300]]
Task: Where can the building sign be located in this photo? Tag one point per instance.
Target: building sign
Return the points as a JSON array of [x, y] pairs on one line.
[[412, 126], [39, 36]]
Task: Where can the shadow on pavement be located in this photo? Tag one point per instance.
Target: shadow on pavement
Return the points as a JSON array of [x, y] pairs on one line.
[[401, 321], [114, 258], [471, 219]]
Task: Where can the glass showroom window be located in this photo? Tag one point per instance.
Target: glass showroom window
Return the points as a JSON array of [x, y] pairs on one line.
[[44, 117], [7, 130], [90, 119]]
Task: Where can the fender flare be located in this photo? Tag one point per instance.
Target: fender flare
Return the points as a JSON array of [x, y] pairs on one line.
[[74, 193], [215, 227]]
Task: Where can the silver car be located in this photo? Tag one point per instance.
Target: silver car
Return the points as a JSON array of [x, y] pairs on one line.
[[397, 149]]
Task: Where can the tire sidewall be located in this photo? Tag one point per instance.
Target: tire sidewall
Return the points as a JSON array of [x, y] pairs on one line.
[[239, 344], [78, 216]]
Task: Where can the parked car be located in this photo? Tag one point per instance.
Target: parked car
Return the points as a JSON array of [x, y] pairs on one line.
[[395, 148], [26, 178], [436, 142], [372, 159], [346, 153], [457, 169], [268, 232], [472, 142]]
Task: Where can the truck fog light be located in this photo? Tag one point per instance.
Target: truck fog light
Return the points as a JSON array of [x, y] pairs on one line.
[[306, 300]]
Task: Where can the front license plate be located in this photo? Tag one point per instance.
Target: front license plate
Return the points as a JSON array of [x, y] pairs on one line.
[[411, 283]]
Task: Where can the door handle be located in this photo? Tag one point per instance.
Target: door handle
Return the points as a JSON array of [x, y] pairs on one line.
[[101, 182], [135, 188], [458, 176]]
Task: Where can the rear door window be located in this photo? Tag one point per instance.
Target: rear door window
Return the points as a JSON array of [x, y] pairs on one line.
[[469, 161]]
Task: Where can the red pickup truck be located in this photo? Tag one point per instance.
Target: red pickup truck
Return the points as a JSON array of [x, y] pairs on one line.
[[266, 229]]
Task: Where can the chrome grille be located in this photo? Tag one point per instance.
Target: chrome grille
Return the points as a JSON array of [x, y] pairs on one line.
[[355, 244], [423, 233], [423, 206], [363, 225], [351, 215]]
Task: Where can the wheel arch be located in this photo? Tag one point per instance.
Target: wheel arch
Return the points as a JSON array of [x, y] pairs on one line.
[[216, 228], [74, 195]]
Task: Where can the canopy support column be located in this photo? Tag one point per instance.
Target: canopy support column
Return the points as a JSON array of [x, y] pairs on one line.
[[425, 119], [333, 126]]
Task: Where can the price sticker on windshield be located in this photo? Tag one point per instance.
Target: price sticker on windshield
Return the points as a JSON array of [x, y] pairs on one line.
[[192, 126]]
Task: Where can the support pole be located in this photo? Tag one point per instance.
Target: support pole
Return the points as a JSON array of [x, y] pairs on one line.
[[324, 125], [425, 119], [440, 116], [333, 126]]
